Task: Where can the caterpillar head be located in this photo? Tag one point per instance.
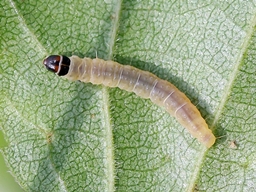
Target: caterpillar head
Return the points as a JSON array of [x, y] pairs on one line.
[[59, 64]]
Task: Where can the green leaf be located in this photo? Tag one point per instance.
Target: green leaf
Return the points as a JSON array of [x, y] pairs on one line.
[[71, 136]]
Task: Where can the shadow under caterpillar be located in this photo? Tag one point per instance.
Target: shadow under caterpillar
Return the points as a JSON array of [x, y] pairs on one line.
[[142, 83]]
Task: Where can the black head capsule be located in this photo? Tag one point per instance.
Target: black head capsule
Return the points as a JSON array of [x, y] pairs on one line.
[[59, 64]]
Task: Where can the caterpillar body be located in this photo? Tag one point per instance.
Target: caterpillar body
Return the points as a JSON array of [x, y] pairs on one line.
[[142, 83]]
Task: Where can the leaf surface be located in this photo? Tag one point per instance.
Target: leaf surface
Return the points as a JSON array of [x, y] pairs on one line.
[[71, 136]]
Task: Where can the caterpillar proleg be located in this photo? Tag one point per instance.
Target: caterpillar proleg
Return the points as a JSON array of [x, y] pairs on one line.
[[142, 83]]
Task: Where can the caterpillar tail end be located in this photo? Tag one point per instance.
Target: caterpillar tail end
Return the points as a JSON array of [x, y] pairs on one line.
[[208, 139]]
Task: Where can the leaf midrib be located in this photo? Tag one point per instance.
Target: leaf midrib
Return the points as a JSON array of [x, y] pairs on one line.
[[109, 151]]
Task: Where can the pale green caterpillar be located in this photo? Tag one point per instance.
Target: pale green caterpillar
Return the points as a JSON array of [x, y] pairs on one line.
[[142, 83]]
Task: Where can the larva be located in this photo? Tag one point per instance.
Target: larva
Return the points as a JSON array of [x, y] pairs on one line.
[[142, 83]]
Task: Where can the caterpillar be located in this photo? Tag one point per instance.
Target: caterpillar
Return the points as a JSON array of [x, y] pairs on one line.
[[142, 83]]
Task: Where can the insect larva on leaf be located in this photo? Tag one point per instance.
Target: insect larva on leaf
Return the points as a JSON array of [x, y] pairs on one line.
[[142, 83]]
